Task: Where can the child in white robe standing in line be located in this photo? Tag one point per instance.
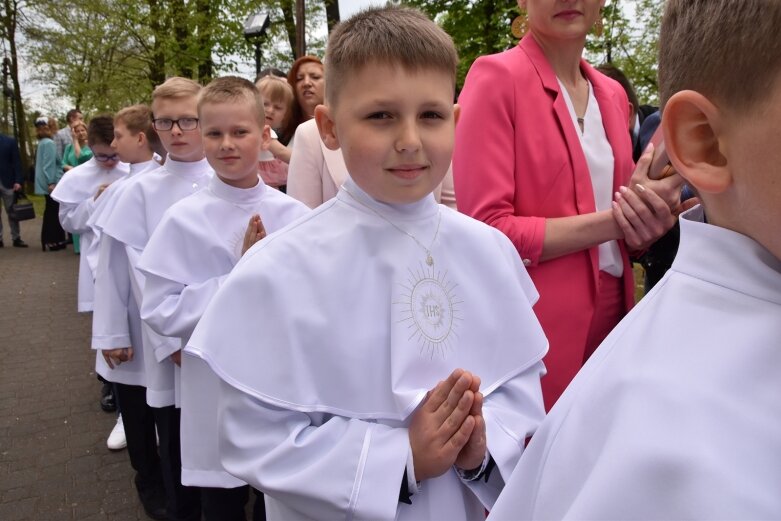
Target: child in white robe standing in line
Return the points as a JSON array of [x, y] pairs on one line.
[[379, 357], [188, 258], [678, 413], [135, 213], [78, 192]]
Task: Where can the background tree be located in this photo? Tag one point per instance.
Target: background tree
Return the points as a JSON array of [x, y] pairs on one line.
[[9, 25]]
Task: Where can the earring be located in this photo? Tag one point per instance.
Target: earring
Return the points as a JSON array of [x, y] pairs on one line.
[[599, 26], [520, 25]]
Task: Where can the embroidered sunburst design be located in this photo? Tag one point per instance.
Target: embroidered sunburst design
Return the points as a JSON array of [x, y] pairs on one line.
[[430, 310]]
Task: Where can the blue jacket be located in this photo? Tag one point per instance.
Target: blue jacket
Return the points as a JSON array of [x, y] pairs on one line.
[[10, 163]]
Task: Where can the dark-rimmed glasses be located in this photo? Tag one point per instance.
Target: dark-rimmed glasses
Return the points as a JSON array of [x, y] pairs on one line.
[[184, 124], [105, 158]]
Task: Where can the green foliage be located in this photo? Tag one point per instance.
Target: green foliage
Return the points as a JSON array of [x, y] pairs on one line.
[[109, 54], [481, 27]]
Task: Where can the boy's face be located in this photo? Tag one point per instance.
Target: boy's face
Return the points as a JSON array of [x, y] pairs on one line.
[[232, 138], [181, 145], [105, 156], [395, 128], [125, 143]]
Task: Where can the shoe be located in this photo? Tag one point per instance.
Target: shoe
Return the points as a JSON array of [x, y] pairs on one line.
[[107, 401], [116, 440], [19, 243], [1, 244], [152, 498]]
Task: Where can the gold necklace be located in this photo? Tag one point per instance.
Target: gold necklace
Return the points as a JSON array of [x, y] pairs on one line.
[[429, 258]]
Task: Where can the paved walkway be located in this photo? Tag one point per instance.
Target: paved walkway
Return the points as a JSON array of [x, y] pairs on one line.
[[54, 464]]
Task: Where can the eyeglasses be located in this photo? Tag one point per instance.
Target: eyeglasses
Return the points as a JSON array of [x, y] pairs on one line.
[[184, 124], [105, 158]]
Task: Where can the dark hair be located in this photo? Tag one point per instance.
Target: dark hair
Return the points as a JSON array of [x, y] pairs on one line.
[[100, 130], [613, 72], [297, 116], [71, 115], [271, 71]]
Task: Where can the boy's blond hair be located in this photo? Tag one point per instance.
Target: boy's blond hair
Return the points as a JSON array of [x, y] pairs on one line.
[[176, 88], [727, 50], [277, 90], [138, 118], [389, 35], [233, 89]]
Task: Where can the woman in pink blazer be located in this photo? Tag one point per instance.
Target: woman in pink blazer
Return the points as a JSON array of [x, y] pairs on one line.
[[526, 144]]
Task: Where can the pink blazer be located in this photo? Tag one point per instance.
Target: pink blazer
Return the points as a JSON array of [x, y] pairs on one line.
[[518, 161]]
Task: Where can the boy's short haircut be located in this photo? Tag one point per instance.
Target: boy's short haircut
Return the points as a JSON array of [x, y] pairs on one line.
[[727, 50], [389, 35], [100, 130], [138, 118], [232, 89], [176, 88]]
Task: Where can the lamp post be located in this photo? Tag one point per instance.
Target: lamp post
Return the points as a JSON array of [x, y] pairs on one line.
[[255, 27]]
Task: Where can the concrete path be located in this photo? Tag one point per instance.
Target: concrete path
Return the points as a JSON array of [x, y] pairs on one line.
[[54, 464]]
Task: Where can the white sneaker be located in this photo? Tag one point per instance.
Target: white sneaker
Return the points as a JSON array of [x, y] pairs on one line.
[[116, 440]]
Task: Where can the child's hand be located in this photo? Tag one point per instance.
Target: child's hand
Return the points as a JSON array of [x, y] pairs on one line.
[[101, 189], [442, 425], [255, 232], [177, 358], [473, 453], [114, 357]]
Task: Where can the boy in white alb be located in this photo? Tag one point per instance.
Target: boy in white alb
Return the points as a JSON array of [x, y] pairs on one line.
[[78, 193], [677, 415], [135, 213], [135, 142], [188, 258], [330, 336]]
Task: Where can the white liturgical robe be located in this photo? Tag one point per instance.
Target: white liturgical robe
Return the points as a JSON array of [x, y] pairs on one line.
[[185, 262], [136, 212], [102, 208], [76, 194], [678, 413], [327, 336]]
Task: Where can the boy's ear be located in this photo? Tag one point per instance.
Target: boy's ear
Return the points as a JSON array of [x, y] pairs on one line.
[[266, 138], [326, 126], [456, 112], [693, 139]]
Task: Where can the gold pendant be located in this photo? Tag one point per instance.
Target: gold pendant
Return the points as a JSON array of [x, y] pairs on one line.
[[429, 259]]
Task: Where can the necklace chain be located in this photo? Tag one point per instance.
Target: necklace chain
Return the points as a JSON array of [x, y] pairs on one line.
[[429, 258]]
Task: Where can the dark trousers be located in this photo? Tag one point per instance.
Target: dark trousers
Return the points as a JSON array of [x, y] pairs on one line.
[[259, 509], [140, 434], [51, 230], [183, 503], [224, 504]]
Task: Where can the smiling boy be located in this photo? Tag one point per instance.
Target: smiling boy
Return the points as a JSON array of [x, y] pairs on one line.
[[188, 258], [147, 383], [380, 341]]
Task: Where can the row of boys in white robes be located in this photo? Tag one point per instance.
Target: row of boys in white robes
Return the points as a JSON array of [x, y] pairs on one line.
[[330, 336]]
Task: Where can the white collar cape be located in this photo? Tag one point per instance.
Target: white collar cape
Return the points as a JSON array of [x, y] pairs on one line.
[[206, 230], [81, 183], [144, 199], [339, 312]]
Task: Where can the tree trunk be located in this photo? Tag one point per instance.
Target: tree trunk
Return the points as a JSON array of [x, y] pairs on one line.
[[300, 28], [20, 121], [205, 64], [331, 13], [157, 64], [183, 62], [289, 18]]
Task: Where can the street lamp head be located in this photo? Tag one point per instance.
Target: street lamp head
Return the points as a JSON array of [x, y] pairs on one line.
[[256, 25]]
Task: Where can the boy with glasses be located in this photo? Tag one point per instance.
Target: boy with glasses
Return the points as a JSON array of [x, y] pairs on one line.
[[117, 328]]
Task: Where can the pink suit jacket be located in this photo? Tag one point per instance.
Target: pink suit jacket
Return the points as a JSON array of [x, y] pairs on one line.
[[518, 161]]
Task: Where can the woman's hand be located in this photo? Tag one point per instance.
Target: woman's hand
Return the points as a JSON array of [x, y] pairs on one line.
[[642, 215], [668, 188]]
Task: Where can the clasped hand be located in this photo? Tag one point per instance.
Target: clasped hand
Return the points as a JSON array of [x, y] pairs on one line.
[[448, 428], [114, 357]]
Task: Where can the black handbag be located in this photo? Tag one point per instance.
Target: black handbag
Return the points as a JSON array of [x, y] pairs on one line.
[[22, 209]]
